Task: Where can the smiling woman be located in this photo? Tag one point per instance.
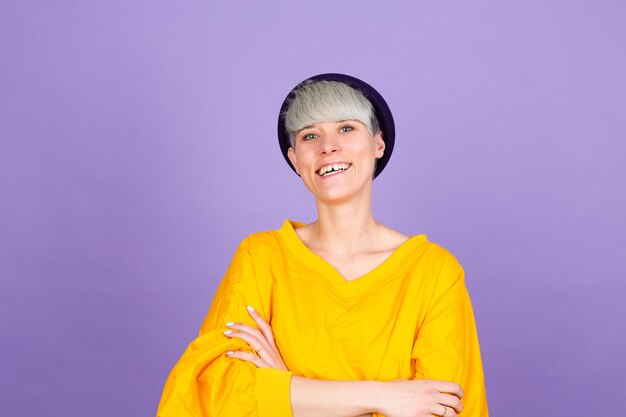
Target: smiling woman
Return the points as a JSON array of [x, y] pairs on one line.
[[343, 316], [336, 160]]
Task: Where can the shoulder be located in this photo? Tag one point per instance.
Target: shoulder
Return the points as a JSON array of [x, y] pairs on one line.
[[446, 273], [261, 242], [421, 249], [442, 257], [439, 252], [256, 252], [432, 262]]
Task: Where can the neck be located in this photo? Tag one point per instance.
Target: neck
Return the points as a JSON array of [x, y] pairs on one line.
[[345, 228]]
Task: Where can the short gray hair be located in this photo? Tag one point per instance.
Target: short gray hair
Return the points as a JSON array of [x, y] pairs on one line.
[[328, 101]]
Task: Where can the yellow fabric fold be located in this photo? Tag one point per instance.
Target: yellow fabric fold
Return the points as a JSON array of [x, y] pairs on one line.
[[272, 392]]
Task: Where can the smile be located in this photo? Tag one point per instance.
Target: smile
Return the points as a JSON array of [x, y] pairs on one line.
[[332, 169]]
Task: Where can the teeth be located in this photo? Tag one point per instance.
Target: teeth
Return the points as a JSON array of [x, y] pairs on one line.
[[333, 168]]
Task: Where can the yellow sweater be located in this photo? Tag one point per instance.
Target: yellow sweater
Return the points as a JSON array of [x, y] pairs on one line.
[[410, 317]]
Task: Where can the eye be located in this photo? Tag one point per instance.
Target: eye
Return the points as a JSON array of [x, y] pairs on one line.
[[309, 136], [346, 128]]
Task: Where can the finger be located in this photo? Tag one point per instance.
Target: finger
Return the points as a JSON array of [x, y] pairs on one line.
[[450, 388], [266, 329], [251, 340], [242, 327], [449, 412], [451, 401], [443, 411], [438, 410], [248, 357]]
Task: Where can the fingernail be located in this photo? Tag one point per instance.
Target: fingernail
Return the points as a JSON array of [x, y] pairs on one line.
[[250, 308], [229, 324], [227, 332], [229, 352]]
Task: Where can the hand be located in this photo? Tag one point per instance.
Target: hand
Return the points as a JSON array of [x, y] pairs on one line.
[[261, 340], [421, 398]]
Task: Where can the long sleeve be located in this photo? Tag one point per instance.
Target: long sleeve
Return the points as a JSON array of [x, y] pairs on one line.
[[447, 342], [205, 382]]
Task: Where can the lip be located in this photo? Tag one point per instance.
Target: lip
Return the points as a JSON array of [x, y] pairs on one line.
[[336, 172], [332, 163]]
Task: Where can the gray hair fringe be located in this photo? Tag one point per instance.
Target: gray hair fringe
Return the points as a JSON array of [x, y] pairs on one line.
[[328, 101]]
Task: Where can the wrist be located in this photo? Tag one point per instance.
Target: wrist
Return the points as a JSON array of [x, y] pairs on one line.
[[374, 396]]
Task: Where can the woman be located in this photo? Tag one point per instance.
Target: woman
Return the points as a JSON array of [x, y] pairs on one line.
[[343, 316]]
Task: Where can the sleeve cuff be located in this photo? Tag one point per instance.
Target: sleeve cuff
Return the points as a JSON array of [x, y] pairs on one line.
[[272, 392]]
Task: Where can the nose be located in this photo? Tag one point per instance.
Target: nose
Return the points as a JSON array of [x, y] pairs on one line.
[[329, 143]]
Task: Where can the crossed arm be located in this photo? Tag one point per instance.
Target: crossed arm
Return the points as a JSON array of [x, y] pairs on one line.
[[313, 397]]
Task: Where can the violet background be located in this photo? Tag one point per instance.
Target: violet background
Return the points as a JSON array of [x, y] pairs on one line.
[[138, 147]]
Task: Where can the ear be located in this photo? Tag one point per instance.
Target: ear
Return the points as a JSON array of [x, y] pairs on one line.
[[291, 154], [380, 145]]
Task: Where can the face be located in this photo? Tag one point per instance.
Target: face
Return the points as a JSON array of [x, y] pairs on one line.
[[336, 159]]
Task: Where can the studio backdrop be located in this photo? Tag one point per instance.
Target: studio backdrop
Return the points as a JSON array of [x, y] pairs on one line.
[[138, 148]]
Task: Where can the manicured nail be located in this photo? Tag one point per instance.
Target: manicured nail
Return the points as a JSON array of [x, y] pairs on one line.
[[250, 308], [230, 324], [227, 332], [229, 352]]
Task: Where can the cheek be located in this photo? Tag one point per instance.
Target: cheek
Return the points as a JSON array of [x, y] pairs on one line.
[[368, 149], [305, 165], [304, 159]]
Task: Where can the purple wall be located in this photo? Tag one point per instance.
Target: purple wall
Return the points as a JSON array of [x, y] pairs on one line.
[[137, 148]]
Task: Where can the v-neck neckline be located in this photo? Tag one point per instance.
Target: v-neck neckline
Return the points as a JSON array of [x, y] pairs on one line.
[[312, 260]]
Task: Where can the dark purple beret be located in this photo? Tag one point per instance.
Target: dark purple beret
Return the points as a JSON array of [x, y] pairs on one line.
[[381, 110]]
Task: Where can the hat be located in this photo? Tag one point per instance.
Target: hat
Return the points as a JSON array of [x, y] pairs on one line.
[[381, 110]]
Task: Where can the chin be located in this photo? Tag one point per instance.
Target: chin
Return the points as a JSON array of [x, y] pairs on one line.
[[339, 193], [334, 197]]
